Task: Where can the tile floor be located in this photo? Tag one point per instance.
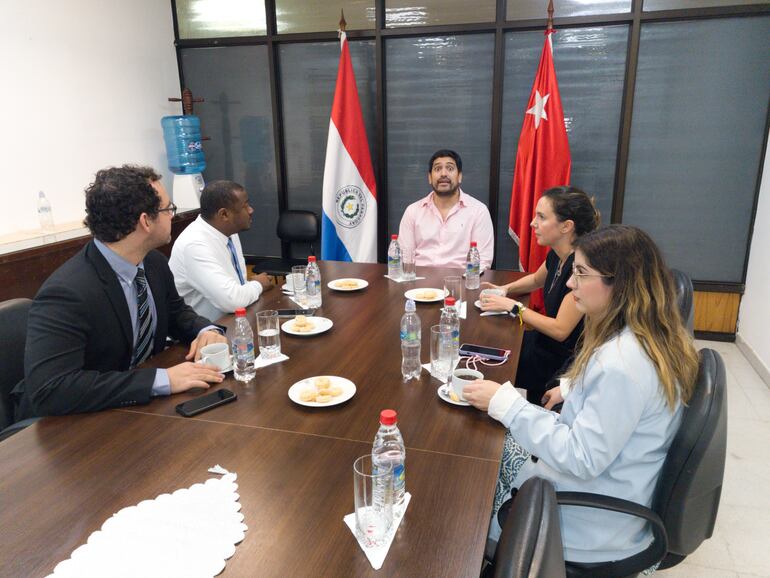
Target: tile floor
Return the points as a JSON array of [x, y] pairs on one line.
[[740, 546]]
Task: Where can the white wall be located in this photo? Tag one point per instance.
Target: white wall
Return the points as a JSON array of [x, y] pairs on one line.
[[85, 84], [754, 317]]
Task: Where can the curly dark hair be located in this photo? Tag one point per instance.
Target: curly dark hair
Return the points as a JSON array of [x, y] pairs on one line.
[[117, 198]]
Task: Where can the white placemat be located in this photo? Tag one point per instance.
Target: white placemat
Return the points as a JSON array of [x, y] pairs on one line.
[[191, 532], [260, 362], [399, 280], [426, 367], [376, 555]]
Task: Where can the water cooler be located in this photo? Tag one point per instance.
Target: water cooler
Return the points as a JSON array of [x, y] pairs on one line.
[[182, 135]]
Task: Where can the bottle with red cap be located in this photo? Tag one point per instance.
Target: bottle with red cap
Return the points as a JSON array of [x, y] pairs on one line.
[[394, 259], [313, 283], [389, 449], [450, 318], [243, 348], [473, 268]]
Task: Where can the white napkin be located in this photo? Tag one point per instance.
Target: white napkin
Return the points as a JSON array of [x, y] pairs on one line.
[[260, 362], [426, 366], [490, 313], [291, 296], [399, 280], [463, 313], [376, 555]]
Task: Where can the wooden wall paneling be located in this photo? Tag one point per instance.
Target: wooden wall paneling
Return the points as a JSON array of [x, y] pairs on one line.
[[23, 272], [716, 312]]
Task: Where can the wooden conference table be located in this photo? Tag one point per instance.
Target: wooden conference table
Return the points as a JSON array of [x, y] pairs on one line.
[[64, 476]]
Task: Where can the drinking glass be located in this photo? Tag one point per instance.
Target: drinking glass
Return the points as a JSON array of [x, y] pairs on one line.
[[298, 285], [409, 271], [440, 351], [453, 287], [269, 334], [373, 499]]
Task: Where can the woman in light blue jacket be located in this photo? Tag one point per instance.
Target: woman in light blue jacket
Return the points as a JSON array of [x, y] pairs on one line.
[[633, 370]]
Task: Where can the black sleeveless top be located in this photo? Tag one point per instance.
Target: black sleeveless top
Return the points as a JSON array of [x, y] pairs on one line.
[[554, 291]]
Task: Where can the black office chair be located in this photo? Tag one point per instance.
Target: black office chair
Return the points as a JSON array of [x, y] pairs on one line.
[[293, 227], [684, 296], [686, 498], [530, 544], [13, 336]]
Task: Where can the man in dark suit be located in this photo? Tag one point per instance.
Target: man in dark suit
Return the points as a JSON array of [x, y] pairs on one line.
[[110, 307]]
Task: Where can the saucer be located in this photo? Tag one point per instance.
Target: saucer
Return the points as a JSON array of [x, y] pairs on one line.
[[445, 397]]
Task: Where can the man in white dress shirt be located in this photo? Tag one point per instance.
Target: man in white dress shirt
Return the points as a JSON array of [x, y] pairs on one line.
[[207, 259]]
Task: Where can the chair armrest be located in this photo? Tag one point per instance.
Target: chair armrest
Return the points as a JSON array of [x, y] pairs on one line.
[[632, 565]]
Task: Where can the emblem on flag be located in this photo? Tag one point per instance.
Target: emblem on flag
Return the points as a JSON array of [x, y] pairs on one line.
[[350, 205]]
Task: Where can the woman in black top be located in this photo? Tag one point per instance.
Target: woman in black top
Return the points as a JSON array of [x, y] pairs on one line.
[[561, 216]]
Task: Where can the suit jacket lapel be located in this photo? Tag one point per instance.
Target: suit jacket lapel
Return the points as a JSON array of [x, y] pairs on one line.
[[113, 290]]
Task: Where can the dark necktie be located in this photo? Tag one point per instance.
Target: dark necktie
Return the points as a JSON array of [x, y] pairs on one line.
[[143, 346], [234, 256]]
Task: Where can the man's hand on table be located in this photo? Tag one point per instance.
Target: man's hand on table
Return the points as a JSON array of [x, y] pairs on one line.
[[188, 375], [203, 339]]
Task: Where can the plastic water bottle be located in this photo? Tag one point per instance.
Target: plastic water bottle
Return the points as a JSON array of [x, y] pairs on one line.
[[44, 212], [182, 134], [394, 258], [243, 348], [411, 338], [449, 318], [313, 283], [473, 267], [389, 449]]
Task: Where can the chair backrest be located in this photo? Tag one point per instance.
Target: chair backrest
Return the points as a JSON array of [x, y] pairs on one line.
[[298, 227], [684, 296], [690, 483], [13, 336], [530, 544]]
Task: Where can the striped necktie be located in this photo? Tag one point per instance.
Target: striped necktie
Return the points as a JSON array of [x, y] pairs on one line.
[[234, 256], [144, 339]]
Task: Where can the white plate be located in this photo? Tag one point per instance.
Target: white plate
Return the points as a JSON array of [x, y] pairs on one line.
[[412, 294], [477, 303], [348, 391], [321, 324], [286, 289], [441, 391], [361, 284]]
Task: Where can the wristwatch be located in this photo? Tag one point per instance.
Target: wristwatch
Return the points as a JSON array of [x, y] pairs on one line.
[[517, 310]]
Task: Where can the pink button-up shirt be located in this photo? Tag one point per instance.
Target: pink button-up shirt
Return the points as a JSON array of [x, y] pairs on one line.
[[445, 243]]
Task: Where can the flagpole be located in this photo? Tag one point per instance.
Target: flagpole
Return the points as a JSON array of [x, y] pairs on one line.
[[343, 23], [549, 27]]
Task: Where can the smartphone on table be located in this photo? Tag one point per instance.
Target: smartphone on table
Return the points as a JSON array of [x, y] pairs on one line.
[[294, 312], [484, 352], [206, 402]]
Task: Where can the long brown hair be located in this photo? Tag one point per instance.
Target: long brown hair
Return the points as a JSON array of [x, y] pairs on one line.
[[644, 300]]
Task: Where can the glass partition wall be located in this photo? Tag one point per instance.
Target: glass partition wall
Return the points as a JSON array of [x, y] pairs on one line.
[[665, 103]]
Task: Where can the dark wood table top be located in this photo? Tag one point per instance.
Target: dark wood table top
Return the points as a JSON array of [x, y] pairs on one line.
[[65, 476], [364, 346]]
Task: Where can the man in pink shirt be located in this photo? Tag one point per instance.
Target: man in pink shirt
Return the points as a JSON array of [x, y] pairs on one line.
[[440, 227]]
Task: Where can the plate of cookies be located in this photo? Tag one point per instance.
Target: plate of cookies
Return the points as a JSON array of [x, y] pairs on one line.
[[348, 284], [322, 391], [425, 294], [306, 325]]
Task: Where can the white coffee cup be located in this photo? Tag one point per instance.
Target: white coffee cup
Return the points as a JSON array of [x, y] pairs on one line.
[[462, 377], [216, 354]]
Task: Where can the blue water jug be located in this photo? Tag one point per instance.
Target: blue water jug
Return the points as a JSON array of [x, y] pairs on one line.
[[183, 144]]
